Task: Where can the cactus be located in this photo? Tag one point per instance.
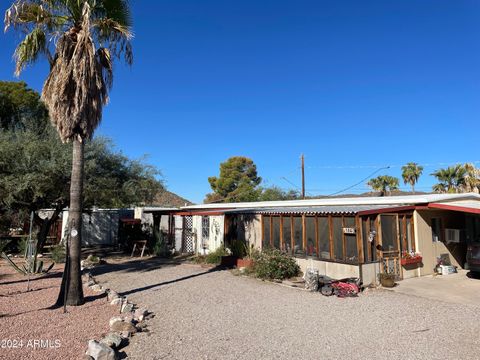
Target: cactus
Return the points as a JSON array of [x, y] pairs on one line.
[[29, 267]]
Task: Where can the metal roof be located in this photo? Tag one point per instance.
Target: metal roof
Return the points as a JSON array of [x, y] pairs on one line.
[[311, 210], [383, 200]]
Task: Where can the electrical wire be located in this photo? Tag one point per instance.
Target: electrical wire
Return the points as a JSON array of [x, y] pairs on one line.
[[361, 181]]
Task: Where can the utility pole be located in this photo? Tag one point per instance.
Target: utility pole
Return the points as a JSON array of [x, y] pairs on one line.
[[303, 176]]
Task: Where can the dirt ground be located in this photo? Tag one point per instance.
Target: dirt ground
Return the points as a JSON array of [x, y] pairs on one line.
[[30, 330]]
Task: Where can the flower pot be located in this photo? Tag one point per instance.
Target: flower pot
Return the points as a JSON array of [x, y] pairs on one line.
[[410, 261], [387, 281], [246, 263]]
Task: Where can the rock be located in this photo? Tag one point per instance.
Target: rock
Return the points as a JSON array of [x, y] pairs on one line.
[[115, 319], [127, 307], [140, 314], [87, 357], [125, 334], [39, 256], [97, 288], [116, 301], [129, 318], [113, 340], [112, 295], [120, 326], [100, 351]]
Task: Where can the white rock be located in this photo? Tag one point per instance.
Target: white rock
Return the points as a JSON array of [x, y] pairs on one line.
[[116, 301], [114, 319], [100, 351]]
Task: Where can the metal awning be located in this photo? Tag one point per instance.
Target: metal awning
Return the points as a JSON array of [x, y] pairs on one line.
[[472, 207], [311, 210]]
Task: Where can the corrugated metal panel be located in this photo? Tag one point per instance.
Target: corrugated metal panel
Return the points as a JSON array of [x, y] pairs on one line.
[[382, 200], [310, 210]]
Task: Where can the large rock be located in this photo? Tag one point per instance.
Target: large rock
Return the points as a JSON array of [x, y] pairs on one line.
[[113, 340], [127, 307], [100, 351], [120, 326]]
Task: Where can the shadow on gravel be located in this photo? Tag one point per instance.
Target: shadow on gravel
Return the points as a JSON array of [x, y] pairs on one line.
[[136, 265], [148, 287], [47, 276]]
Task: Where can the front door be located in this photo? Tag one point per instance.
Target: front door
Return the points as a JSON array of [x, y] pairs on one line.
[[390, 248]]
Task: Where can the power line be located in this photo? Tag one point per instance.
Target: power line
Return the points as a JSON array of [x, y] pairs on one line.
[[361, 181], [392, 166]]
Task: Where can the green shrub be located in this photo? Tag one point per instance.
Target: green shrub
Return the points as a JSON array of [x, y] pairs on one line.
[[215, 257], [3, 245], [159, 246], [58, 254], [238, 248], [275, 265]]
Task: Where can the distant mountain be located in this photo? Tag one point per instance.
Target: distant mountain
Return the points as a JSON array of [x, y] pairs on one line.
[[371, 194], [167, 198]]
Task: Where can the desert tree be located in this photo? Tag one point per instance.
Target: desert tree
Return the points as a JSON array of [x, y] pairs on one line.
[[80, 39]]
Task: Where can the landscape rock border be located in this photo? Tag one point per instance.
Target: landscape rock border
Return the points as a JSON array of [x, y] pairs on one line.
[[131, 320]]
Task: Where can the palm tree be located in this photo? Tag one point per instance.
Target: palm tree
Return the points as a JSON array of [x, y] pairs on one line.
[[384, 184], [410, 174], [84, 37], [472, 178], [451, 179]]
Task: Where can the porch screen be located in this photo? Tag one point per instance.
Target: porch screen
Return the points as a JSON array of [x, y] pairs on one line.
[[266, 232], [351, 251], [311, 236], [276, 232], [287, 234], [297, 236], [337, 238], [324, 237], [389, 233]]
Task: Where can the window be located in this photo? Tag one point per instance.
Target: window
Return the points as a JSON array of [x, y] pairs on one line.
[[324, 237], [408, 234], [311, 236], [205, 230], [389, 233], [436, 229], [298, 236]]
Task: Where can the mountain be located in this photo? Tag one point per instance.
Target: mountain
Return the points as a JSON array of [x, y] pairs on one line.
[[167, 198]]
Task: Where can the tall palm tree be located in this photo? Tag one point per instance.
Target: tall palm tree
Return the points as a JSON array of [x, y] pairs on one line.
[[410, 174], [472, 178], [384, 184], [80, 39], [450, 180]]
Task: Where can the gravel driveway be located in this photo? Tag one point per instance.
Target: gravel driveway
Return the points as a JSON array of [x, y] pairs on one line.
[[202, 314]]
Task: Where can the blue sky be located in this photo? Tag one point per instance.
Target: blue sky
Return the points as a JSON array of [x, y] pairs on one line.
[[354, 85]]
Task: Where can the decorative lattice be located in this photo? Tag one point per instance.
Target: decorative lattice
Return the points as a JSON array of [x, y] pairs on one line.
[[187, 234]]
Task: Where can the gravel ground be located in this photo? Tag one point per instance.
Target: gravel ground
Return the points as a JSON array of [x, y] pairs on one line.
[[24, 318], [203, 314]]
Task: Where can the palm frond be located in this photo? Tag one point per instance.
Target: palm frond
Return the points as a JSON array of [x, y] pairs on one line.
[[28, 50]]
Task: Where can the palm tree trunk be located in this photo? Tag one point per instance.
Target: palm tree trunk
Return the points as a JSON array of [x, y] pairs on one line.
[[72, 278], [413, 189]]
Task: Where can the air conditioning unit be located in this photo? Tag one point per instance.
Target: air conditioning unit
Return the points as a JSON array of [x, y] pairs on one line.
[[452, 236]]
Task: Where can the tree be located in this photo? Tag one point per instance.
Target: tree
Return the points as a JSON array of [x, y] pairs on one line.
[[90, 35], [275, 193], [384, 184], [411, 173], [238, 181], [450, 180], [471, 178]]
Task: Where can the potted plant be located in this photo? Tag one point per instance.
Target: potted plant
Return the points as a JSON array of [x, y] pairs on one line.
[[410, 258], [387, 280], [247, 261]]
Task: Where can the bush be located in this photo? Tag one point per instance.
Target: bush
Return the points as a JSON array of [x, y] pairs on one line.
[[215, 257], [58, 254], [275, 265], [238, 248]]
